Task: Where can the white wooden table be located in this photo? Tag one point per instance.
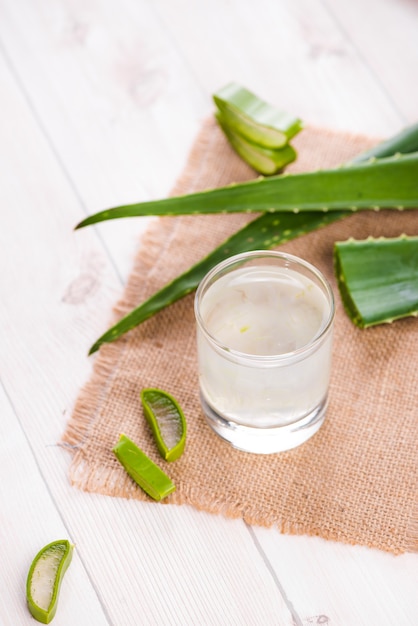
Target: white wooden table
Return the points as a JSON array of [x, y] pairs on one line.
[[100, 102]]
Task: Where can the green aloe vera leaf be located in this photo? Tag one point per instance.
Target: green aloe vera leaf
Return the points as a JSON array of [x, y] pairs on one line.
[[265, 161], [255, 119], [389, 183], [267, 231], [378, 278], [256, 235], [404, 142], [142, 470], [44, 579]]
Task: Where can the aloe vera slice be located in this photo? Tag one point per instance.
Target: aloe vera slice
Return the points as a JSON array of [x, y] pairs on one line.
[[265, 161], [167, 422], [142, 470], [44, 579], [255, 119], [381, 183], [378, 279]]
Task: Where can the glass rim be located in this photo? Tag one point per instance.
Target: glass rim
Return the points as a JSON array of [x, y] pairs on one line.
[[265, 358]]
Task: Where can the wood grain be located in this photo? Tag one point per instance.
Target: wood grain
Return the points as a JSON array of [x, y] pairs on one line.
[[100, 103]]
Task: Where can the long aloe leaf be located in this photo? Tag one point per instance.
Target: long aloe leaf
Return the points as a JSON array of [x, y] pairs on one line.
[[391, 182], [258, 234], [265, 232], [378, 279]]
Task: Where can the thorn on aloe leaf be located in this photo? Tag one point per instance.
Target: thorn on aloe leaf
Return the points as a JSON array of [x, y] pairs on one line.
[[251, 237], [386, 183]]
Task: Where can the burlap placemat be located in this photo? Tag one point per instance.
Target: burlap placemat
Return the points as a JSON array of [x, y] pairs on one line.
[[355, 480]]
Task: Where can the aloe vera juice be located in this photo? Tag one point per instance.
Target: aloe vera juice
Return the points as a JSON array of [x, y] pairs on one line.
[[264, 348]]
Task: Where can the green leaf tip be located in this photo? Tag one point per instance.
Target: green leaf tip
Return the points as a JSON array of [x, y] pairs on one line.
[[251, 237], [385, 183]]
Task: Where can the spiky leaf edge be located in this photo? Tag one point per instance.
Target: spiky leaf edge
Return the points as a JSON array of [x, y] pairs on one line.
[[389, 183], [406, 141]]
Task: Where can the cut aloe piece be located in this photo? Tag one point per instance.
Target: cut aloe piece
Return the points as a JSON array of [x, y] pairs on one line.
[[167, 422], [142, 470], [265, 161], [44, 579], [378, 279], [255, 119]]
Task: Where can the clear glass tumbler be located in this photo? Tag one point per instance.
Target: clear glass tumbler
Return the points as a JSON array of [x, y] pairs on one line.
[[264, 340]]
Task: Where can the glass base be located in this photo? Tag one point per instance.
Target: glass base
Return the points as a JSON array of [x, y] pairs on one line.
[[266, 440]]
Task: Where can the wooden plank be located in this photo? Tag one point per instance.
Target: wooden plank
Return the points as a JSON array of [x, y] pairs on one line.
[[29, 521], [291, 53], [173, 565], [108, 87], [386, 40], [349, 585], [112, 97], [103, 84], [49, 307]]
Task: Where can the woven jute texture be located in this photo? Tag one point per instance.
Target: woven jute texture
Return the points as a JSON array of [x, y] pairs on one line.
[[355, 480]]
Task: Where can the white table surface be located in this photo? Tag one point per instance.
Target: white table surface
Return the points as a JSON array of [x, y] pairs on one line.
[[100, 103]]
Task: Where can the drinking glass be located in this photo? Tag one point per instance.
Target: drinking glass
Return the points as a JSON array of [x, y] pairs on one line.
[[264, 339]]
